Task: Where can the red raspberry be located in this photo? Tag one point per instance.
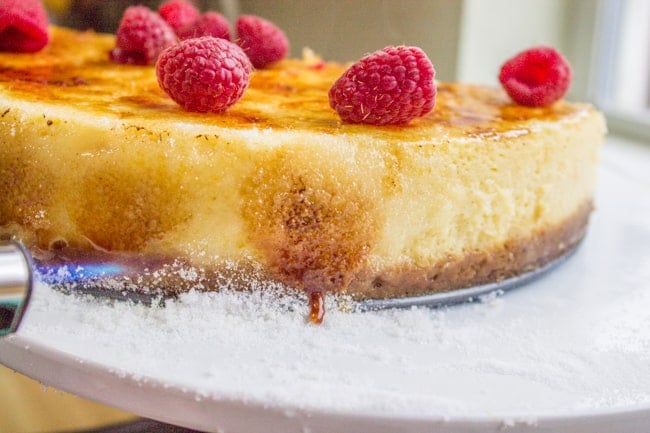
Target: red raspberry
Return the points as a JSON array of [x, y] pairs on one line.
[[536, 77], [391, 86], [204, 74], [23, 26], [141, 37], [210, 24], [179, 14], [262, 40]]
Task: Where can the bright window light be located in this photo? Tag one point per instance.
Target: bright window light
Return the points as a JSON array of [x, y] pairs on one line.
[[622, 87]]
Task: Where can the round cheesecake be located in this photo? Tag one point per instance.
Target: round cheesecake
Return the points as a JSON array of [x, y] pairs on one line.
[[96, 161]]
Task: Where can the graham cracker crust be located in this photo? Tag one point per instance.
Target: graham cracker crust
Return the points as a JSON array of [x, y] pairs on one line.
[[512, 258], [138, 277]]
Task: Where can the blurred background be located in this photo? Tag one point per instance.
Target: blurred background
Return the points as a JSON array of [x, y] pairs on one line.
[[606, 41]]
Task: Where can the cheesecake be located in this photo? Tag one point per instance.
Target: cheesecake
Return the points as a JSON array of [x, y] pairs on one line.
[[96, 161]]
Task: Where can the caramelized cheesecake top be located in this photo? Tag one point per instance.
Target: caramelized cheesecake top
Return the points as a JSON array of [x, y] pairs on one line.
[[74, 70]]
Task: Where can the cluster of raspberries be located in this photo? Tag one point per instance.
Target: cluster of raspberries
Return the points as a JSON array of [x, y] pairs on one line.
[[197, 61], [143, 34], [201, 68]]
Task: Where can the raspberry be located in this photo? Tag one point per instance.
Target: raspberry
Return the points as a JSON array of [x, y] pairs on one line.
[[23, 26], [210, 24], [141, 37], [391, 86], [179, 14], [536, 77], [204, 74], [263, 41]]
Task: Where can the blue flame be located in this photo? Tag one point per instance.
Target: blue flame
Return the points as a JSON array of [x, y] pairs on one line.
[[73, 273]]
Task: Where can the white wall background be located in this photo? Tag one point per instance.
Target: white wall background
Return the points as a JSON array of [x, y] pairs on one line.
[[495, 30], [467, 40], [345, 30]]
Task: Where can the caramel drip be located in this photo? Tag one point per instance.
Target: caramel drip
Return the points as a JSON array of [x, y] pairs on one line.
[[317, 308]]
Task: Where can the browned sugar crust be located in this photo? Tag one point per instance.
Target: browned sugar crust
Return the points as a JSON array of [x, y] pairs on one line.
[[74, 69], [310, 237]]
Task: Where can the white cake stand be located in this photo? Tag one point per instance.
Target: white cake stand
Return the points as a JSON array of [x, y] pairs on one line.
[[568, 352]]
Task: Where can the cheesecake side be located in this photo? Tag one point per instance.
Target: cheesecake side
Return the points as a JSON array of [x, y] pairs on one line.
[[95, 158]]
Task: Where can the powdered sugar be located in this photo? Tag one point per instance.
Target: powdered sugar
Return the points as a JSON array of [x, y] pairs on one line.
[[416, 361]]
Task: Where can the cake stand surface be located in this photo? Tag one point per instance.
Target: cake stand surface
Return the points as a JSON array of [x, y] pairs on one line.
[[569, 351]]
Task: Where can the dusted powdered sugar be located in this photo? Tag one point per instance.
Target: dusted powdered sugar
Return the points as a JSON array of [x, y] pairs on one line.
[[257, 346]]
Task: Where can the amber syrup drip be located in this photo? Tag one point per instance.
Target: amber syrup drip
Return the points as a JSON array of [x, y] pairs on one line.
[[317, 308]]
